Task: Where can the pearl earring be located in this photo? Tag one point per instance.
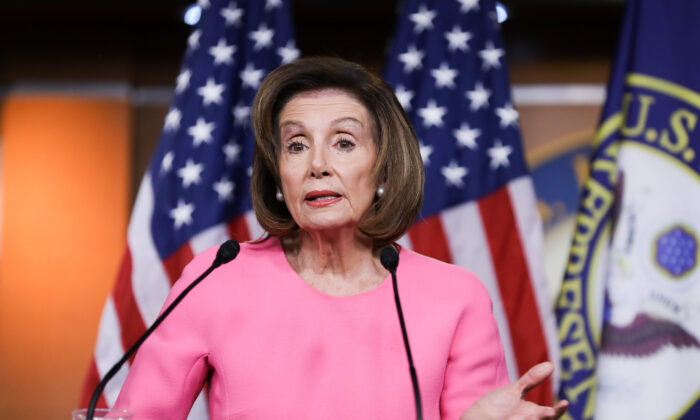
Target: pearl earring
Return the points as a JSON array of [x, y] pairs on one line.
[[279, 196], [380, 191]]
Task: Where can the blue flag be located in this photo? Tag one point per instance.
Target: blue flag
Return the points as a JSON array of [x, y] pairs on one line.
[[629, 308]]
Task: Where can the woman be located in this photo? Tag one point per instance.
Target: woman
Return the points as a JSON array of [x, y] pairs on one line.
[[302, 325]]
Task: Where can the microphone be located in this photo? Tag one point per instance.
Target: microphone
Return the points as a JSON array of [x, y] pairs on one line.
[[226, 253], [390, 260]]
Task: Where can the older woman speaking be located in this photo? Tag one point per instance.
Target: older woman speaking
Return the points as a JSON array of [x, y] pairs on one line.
[[302, 325]]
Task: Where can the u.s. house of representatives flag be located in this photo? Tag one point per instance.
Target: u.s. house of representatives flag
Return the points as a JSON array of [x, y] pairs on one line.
[[629, 309], [448, 71], [195, 193]]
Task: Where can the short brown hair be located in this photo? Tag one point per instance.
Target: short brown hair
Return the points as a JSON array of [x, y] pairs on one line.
[[398, 165]]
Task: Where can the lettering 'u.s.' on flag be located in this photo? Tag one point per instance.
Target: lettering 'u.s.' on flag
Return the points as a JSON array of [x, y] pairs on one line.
[[195, 193], [448, 70], [629, 308]]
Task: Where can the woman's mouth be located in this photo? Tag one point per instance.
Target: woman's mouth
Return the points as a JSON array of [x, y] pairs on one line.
[[322, 198]]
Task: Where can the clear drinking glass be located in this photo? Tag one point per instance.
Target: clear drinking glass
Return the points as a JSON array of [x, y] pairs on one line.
[[103, 413]]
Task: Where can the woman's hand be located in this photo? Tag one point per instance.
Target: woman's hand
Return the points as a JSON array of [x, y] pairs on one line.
[[508, 403]]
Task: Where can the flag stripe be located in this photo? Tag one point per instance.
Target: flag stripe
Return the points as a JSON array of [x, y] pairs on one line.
[[238, 229], [127, 312], [91, 381], [109, 350], [469, 245], [177, 261], [515, 286], [428, 238], [522, 195]]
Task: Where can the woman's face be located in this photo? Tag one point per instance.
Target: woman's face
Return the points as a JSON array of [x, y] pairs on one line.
[[326, 159]]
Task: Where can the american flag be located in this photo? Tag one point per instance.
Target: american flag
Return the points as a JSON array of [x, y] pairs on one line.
[[195, 193], [448, 70]]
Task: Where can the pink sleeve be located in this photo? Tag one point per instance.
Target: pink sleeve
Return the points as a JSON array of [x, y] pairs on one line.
[[476, 363], [171, 366]]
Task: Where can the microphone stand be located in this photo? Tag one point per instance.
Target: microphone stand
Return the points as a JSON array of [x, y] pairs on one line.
[[227, 252], [390, 260]]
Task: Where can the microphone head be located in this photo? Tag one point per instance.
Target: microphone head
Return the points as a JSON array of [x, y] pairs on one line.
[[227, 251], [389, 258]]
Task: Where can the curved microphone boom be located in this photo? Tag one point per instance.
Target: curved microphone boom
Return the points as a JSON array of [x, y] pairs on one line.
[[226, 253], [390, 260]]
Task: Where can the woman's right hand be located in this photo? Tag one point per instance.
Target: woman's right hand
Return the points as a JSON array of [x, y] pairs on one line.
[[508, 403]]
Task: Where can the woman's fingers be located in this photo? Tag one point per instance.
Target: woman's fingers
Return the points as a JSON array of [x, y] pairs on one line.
[[534, 377]]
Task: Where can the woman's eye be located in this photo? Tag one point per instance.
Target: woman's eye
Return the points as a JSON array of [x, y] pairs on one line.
[[344, 144], [296, 147]]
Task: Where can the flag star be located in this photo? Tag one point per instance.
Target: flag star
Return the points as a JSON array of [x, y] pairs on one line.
[[479, 97], [423, 19], [204, 4], [491, 56], [425, 151], [432, 114], [201, 131], [231, 150], [458, 39], [183, 81], [241, 113], [444, 76], [412, 59], [271, 4], [172, 120], [224, 188], [249, 171], [232, 14], [222, 53], [251, 76], [468, 5], [289, 52], [466, 136], [262, 37], [182, 214], [404, 96], [190, 173], [167, 163], [453, 174], [193, 39], [499, 154], [211, 92], [508, 115]]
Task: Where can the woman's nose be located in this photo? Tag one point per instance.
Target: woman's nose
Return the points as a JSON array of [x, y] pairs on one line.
[[319, 163]]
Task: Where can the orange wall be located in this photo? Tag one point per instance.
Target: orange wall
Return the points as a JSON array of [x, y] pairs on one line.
[[65, 198]]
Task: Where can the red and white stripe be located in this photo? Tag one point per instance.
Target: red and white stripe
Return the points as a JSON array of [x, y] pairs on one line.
[[499, 238]]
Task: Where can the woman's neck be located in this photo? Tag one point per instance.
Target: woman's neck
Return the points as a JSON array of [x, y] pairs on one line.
[[338, 263]]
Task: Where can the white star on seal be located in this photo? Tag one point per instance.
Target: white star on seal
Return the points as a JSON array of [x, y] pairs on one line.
[[453, 174], [499, 154], [432, 114]]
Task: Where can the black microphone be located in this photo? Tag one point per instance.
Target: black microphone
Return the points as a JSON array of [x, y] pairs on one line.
[[227, 252], [390, 260]]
